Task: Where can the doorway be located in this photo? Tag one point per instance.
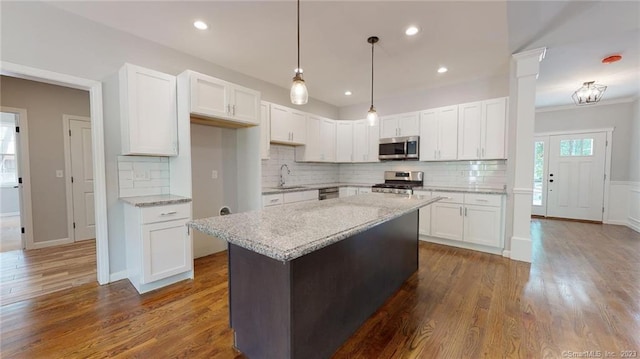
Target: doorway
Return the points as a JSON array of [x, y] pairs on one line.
[[570, 175]]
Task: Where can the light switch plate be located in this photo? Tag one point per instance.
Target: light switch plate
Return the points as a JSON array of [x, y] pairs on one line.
[[141, 175], [214, 174], [59, 173]]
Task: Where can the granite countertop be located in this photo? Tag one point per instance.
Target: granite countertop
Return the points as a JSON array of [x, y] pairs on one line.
[[291, 231], [311, 187], [156, 200], [469, 189]]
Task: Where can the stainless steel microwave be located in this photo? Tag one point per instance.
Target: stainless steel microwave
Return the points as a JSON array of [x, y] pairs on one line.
[[399, 148]]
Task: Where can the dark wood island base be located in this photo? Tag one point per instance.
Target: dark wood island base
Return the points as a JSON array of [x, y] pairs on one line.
[[307, 307]]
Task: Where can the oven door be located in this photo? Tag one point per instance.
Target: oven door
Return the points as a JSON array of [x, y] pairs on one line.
[[392, 149]]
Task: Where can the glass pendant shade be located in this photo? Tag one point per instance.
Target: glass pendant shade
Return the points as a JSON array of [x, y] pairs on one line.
[[372, 116], [299, 94], [589, 93]]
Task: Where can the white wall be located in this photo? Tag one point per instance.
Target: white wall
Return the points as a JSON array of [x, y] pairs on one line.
[[475, 90], [572, 118], [634, 143]]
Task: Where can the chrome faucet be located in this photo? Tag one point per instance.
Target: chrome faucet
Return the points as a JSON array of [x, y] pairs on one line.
[[281, 184]]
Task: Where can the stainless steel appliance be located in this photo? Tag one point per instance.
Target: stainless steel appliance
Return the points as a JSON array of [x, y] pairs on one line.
[[328, 193], [399, 182], [399, 148]]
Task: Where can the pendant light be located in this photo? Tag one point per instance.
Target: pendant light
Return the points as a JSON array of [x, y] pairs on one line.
[[299, 94], [372, 115]]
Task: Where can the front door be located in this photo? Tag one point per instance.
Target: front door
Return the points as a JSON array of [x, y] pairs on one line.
[[575, 181], [82, 179]]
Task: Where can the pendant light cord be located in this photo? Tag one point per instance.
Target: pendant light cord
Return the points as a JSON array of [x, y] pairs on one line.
[[372, 45], [298, 69]]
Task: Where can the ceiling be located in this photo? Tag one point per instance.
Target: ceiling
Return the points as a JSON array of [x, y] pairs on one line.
[[473, 39]]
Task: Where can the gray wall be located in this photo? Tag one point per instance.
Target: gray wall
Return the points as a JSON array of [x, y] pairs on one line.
[[45, 105], [212, 148], [618, 116], [443, 96], [634, 148]]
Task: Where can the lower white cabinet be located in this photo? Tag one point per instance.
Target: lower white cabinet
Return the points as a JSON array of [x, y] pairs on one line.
[[424, 217], [471, 218], [276, 199], [353, 191], [159, 248]]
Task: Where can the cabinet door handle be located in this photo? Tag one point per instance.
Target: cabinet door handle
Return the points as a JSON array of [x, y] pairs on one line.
[[478, 152], [465, 211], [483, 153], [439, 154], [482, 200], [168, 213], [461, 211], [228, 108], [234, 109], [274, 200], [435, 154]]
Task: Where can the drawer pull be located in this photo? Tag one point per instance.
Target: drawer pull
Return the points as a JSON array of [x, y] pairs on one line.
[[168, 213], [274, 200], [482, 200]]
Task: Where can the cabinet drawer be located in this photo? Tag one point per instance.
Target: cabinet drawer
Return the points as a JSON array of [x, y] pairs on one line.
[[292, 197], [272, 200], [449, 197], [494, 200], [165, 213]]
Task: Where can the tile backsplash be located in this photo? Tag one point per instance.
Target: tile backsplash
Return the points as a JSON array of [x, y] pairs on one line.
[[143, 175], [301, 173]]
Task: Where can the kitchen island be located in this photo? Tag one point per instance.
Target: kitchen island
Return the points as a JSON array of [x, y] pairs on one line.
[[304, 277]]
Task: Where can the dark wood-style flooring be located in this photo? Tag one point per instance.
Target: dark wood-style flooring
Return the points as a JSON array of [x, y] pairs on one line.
[[581, 293]]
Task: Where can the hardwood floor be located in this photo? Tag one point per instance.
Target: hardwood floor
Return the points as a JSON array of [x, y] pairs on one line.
[[32, 273], [581, 293]]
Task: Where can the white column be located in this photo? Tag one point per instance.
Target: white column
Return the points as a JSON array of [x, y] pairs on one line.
[[524, 71]]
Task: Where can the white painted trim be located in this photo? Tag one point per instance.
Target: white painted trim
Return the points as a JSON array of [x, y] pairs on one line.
[[24, 171], [97, 136], [607, 175], [506, 253], [521, 249], [51, 243], [616, 222], [574, 132], [66, 126], [527, 191], [625, 183], [634, 224], [574, 107], [9, 214], [461, 244], [114, 277]]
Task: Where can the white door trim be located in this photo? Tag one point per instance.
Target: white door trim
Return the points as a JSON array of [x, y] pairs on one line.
[[97, 137], [24, 169], [66, 126], [573, 132]]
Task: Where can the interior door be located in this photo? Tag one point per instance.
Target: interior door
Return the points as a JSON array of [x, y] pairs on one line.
[[576, 176], [82, 179]]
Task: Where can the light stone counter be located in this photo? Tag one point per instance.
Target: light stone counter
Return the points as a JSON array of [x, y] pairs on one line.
[[291, 231], [470, 189], [156, 200]]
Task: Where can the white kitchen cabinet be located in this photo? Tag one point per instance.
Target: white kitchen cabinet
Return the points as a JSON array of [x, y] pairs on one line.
[[447, 220], [482, 129], [424, 222], [277, 199], [406, 124], [288, 126], [482, 225], [159, 248], [219, 99], [344, 141], [364, 190], [265, 131], [365, 141], [347, 191], [320, 141], [439, 134], [148, 112]]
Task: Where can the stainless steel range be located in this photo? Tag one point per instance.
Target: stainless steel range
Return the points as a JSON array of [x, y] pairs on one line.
[[399, 182]]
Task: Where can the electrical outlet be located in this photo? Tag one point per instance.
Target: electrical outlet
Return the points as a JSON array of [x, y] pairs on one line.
[[141, 175], [59, 173], [214, 174]]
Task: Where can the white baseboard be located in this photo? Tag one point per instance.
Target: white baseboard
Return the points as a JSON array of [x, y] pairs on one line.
[[521, 249], [506, 253], [634, 224], [459, 244], [51, 243], [114, 277], [616, 222]]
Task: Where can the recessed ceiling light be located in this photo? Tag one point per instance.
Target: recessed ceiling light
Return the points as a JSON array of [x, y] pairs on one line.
[[348, 93], [442, 70], [411, 30], [200, 25]]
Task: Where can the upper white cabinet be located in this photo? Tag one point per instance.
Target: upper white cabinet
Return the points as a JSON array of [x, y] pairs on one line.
[[148, 112], [407, 124], [265, 131], [439, 134], [365, 141], [288, 126], [219, 99], [344, 141], [320, 141], [482, 129]]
